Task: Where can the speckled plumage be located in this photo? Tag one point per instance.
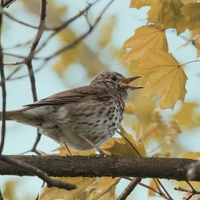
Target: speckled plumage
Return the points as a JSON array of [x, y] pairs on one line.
[[93, 112]]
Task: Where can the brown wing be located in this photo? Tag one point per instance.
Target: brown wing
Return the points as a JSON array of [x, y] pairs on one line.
[[75, 95]]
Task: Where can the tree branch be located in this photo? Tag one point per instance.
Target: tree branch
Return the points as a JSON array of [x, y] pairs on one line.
[[3, 85], [114, 166], [36, 171]]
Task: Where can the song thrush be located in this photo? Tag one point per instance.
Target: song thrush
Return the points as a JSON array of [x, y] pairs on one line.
[[83, 117]]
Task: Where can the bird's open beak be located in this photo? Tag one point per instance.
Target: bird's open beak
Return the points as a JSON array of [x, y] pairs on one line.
[[129, 80]]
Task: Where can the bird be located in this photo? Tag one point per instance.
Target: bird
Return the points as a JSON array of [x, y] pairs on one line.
[[82, 118]]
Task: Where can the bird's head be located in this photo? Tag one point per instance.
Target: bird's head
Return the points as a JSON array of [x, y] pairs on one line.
[[114, 80]]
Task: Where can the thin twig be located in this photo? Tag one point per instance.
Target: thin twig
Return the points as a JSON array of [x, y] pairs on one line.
[[7, 3], [19, 45], [192, 191], [37, 140], [164, 189], [129, 188], [32, 80], [25, 75], [50, 182], [67, 22], [1, 196], [16, 20], [37, 198], [40, 31], [3, 125], [20, 56], [80, 38], [31, 55], [13, 72], [64, 25]]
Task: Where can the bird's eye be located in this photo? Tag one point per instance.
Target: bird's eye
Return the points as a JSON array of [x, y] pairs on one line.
[[114, 78]]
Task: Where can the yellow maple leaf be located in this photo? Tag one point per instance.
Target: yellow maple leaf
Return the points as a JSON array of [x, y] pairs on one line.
[[57, 11], [165, 78], [188, 1], [145, 37], [87, 188], [140, 3], [126, 146], [103, 187], [187, 116], [106, 31], [130, 108], [191, 155], [154, 185], [192, 11], [167, 14], [79, 193]]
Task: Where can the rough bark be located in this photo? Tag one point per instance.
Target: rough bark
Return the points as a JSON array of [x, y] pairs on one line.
[[72, 166]]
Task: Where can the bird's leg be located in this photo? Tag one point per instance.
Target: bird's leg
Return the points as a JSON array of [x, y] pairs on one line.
[[101, 152], [68, 150]]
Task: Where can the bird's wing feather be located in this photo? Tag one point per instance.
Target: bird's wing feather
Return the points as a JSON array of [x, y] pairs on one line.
[[74, 96]]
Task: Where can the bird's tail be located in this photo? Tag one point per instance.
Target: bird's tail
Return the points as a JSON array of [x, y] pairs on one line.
[[24, 116], [11, 115]]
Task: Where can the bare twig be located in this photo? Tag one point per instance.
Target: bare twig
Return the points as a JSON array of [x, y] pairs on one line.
[[7, 3], [163, 189], [32, 80], [129, 188], [20, 56], [64, 25], [40, 30], [83, 36], [31, 55], [19, 45], [67, 22], [37, 140], [151, 188], [192, 192], [37, 198], [13, 72], [3, 126], [1, 196], [23, 76], [16, 20], [50, 182]]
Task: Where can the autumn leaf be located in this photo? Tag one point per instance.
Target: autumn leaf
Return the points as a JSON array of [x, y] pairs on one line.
[[145, 37], [87, 188], [140, 3], [79, 193], [79, 54], [130, 108], [57, 11], [191, 155], [165, 78], [106, 31], [126, 146], [192, 11], [103, 188], [154, 185], [187, 116], [188, 1], [167, 14]]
